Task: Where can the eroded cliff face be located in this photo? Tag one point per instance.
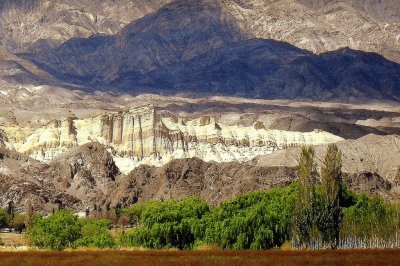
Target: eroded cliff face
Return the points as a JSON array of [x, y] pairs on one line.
[[143, 136]]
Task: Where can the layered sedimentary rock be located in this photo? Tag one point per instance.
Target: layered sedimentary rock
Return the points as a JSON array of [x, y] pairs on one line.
[[143, 136]]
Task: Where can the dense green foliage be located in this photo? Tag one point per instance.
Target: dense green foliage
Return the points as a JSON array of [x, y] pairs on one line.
[[57, 231], [63, 229], [370, 221], [168, 224], [95, 233], [308, 214], [258, 220]]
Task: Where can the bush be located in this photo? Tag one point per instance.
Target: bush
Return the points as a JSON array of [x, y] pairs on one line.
[[102, 240]]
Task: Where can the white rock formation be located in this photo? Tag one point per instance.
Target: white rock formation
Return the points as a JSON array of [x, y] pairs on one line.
[[143, 136]]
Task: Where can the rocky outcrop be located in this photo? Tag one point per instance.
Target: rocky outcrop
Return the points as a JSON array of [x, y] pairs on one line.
[[26, 23], [143, 136], [216, 182], [3, 138], [212, 181], [371, 183], [87, 176], [81, 177]]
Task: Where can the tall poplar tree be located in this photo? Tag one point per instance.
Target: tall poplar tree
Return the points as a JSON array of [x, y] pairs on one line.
[[330, 215], [29, 213], [304, 212]]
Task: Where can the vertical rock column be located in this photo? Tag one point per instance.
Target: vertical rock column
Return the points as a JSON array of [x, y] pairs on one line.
[[138, 137], [106, 127], [128, 135], [118, 128]]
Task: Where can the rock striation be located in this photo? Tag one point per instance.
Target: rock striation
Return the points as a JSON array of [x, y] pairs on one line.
[[144, 136]]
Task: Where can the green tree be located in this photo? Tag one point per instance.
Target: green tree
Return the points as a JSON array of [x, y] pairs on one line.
[[170, 224], [4, 218], [259, 220], [330, 214], [29, 213], [57, 231], [305, 204], [19, 222], [95, 233]]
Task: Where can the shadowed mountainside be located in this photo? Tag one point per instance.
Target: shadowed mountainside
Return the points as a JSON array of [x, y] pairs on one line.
[[198, 48], [315, 25]]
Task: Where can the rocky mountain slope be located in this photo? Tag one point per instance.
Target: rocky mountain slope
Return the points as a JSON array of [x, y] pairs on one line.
[[27, 22], [324, 25], [77, 179], [315, 25], [199, 47], [371, 153], [68, 69], [87, 175]]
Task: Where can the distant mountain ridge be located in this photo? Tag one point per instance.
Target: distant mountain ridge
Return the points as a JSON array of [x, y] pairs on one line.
[[197, 47]]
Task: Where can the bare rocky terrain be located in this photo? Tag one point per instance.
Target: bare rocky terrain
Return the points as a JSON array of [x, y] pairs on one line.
[[325, 25], [226, 47], [291, 65], [87, 175], [315, 25]]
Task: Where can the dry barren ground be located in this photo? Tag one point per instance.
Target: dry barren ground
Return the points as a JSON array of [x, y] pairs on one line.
[[114, 257]]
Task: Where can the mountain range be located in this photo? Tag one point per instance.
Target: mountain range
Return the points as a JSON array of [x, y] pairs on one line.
[[204, 47], [112, 102]]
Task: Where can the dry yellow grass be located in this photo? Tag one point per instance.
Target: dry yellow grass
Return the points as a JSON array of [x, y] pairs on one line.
[[179, 258], [208, 247], [13, 239]]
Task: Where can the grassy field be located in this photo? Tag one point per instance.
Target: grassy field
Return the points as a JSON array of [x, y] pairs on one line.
[[13, 239], [177, 258]]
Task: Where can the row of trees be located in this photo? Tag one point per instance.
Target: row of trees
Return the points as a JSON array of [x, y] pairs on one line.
[[259, 220], [319, 213]]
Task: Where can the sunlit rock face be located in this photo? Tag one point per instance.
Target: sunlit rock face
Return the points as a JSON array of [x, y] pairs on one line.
[[143, 136]]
